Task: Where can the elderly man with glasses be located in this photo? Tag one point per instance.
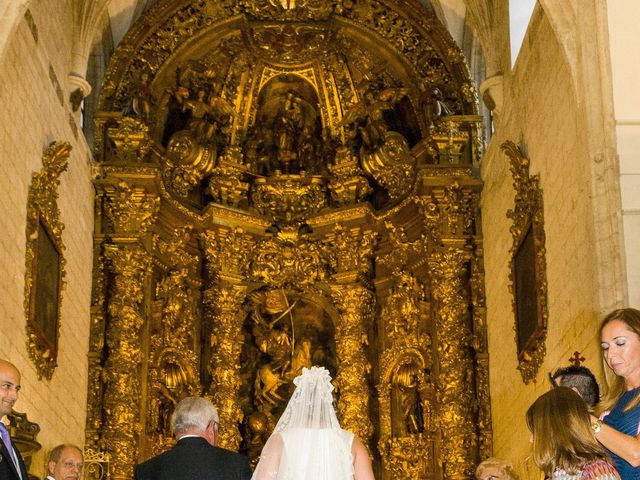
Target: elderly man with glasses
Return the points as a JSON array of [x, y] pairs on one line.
[[65, 463]]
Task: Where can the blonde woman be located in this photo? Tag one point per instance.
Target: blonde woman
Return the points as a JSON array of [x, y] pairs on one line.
[[619, 430], [564, 446]]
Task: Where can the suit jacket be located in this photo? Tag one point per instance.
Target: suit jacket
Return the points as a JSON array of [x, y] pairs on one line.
[[7, 468], [193, 458]]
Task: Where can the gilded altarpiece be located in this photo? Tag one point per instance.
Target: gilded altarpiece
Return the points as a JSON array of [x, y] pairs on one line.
[[286, 184]]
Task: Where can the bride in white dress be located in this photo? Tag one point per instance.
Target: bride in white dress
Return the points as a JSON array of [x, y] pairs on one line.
[[308, 442]]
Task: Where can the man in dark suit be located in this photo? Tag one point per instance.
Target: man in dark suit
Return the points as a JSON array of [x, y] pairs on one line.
[[12, 466], [195, 456]]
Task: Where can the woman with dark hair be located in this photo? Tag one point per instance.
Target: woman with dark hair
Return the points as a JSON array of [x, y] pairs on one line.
[[620, 424], [564, 446]]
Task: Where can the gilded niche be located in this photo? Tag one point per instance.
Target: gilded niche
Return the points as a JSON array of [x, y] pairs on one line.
[[292, 183]]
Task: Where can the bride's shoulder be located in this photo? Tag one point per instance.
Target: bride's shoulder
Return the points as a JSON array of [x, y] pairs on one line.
[[346, 436]]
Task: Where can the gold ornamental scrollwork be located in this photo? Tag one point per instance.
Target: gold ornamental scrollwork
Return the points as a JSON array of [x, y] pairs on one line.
[[289, 199], [528, 266], [227, 253], [130, 138], [290, 260], [342, 245], [44, 229], [448, 213], [130, 210]]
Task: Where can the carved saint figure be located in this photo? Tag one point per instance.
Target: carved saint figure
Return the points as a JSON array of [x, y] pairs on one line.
[[367, 116], [142, 98], [433, 103], [288, 129], [207, 115], [406, 408]]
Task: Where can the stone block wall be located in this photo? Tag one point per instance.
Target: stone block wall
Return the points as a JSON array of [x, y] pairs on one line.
[[35, 111], [542, 113], [625, 66]]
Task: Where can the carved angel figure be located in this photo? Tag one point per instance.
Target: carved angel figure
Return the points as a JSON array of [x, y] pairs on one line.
[[207, 115], [367, 115]]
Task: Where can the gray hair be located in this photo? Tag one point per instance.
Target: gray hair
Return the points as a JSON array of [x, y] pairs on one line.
[[193, 413]]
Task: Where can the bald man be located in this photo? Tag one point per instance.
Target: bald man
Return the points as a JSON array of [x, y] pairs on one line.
[[65, 463], [12, 466]]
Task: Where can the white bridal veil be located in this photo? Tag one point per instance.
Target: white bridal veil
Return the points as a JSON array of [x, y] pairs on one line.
[[308, 442]]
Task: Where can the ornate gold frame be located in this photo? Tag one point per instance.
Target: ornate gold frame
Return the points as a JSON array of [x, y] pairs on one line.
[[528, 245], [43, 215]]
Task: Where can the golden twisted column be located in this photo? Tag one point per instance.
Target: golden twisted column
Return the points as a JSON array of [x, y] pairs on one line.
[[129, 264], [455, 419], [222, 310], [355, 305], [449, 215], [130, 212]]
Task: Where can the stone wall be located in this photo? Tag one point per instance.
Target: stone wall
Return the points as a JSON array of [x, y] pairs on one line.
[[542, 113], [625, 63], [35, 111]]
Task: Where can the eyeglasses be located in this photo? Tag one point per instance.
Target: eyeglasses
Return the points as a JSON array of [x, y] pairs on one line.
[[216, 425], [71, 465]]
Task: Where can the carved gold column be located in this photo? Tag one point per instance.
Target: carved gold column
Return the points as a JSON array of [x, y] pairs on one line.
[[455, 418], [222, 310], [226, 262], [355, 305], [449, 223], [130, 211]]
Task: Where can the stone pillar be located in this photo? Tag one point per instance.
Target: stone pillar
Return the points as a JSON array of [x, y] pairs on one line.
[[130, 212], [355, 303], [222, 309]]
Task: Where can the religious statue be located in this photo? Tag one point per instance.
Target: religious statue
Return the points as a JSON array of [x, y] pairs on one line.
[[406, 407], [432, 103], [207, 115], [142, 99], [256, 150], [287, 129], [367, 116], [271, 317], [293, 138], [259, 428]]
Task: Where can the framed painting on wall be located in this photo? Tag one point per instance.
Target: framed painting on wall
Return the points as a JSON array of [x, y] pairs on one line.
[[45, 263], [528, 279], [44, 308]]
